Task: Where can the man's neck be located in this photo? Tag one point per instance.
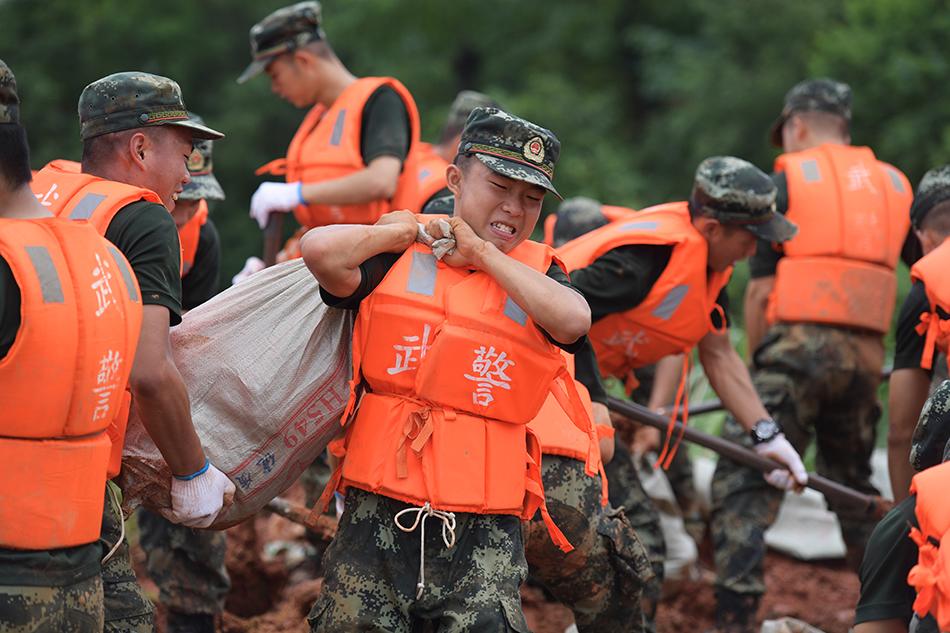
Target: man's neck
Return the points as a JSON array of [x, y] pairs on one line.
[[337, 80], [21, 203]]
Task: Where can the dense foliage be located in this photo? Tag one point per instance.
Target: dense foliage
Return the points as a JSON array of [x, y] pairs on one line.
[[638, 90]]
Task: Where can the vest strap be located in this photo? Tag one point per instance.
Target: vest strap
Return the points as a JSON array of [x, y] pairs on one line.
[[681, 403]]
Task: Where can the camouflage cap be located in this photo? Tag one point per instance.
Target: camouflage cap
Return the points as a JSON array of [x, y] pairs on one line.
[[464, 103], [9, 101], [511, 146], [129, 100], [933, 430], [736, 192], [934, 188], [577, 216], [824, 95], [203, 184], [283, 31]]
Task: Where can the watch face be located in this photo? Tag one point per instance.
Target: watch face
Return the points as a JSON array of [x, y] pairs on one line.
[[766, 429]]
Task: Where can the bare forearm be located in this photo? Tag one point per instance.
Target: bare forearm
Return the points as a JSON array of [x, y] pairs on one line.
[[376, 182], [334, 253], [754, 310], [730, 379], [907, 395], [561, 312], [666, 379], [163, 406]]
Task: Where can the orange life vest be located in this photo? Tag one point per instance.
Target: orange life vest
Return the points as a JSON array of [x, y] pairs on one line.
[[70, 194], [611, 213], [327, 146], [852, 212], [676, 313], [930, 577], [188, 235], [931, 269], [454, 370], [431, 175], [559, 435], [62, 383]]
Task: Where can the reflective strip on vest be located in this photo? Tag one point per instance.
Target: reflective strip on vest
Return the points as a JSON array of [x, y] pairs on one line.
[[641, 226], [896, 180], [46, 272], [86, 206], [126, 274], [424, 173], [422, 274], [810, 171], [671, 302], [514, 312], [337, 135]]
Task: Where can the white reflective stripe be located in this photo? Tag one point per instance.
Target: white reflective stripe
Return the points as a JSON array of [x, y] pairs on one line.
[[86, 206], [671, 302], [642, 226], [895, 180], [514, 312], [337, 135], [422, 274], [424, 173], [126, 273], [810, 171], [46, 272]]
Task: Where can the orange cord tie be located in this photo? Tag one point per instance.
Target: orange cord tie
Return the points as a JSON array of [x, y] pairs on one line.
[[681, 402]]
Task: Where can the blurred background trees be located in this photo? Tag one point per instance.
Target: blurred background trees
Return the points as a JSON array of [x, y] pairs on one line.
[[639, 91]]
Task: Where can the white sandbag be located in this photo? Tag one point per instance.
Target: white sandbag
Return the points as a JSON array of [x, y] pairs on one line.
[[681, 550], [266, 364]]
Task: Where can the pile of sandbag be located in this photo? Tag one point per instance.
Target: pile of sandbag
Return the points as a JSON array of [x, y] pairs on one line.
[[266, 364]]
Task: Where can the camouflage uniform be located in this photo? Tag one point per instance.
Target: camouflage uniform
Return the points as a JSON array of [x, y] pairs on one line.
[[126, 606], [601, 579], [75, 606], [817, 380], [372, 571], [814, 380], [187, 564]]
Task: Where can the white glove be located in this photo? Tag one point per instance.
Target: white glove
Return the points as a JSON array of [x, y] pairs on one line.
[[272, 197], [779, 449], [251, 266], [196, 502]]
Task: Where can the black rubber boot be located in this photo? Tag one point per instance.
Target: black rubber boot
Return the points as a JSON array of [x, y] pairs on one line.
[[735, 612], [189, 623]]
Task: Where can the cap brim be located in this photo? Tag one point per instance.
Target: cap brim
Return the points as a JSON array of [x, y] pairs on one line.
[[775, 132], [198, 131], [204, 187], [254, 69], [518, 171], [776, 229]]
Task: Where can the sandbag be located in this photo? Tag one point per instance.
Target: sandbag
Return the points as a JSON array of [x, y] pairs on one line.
[[266, 365]]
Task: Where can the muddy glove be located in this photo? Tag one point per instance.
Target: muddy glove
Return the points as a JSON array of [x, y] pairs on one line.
[[198, 498], [442, 246], [275, 197], [779, 449], [251, 266]]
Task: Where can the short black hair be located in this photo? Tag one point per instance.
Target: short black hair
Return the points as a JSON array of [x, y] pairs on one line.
[[937, 219], [462, 161], [14, 155], [100, 150]]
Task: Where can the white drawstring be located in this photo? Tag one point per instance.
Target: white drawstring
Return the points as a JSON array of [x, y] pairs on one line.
[[448, 534], [118, 508]]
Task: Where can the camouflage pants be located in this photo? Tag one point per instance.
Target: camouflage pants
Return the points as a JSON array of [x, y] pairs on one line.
[[602, 578], [373, 567], [74, 608], [186, 564], [814, 380], [126, 607], [627, 494]]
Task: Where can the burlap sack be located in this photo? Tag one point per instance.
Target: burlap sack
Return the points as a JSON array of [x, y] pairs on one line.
[[266, 364]]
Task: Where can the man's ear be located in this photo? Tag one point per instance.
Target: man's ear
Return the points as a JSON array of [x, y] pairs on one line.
[[139, 144], [453, 178], [707, 227]]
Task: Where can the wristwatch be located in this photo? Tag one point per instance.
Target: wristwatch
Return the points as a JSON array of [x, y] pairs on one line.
[[764, 430]]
